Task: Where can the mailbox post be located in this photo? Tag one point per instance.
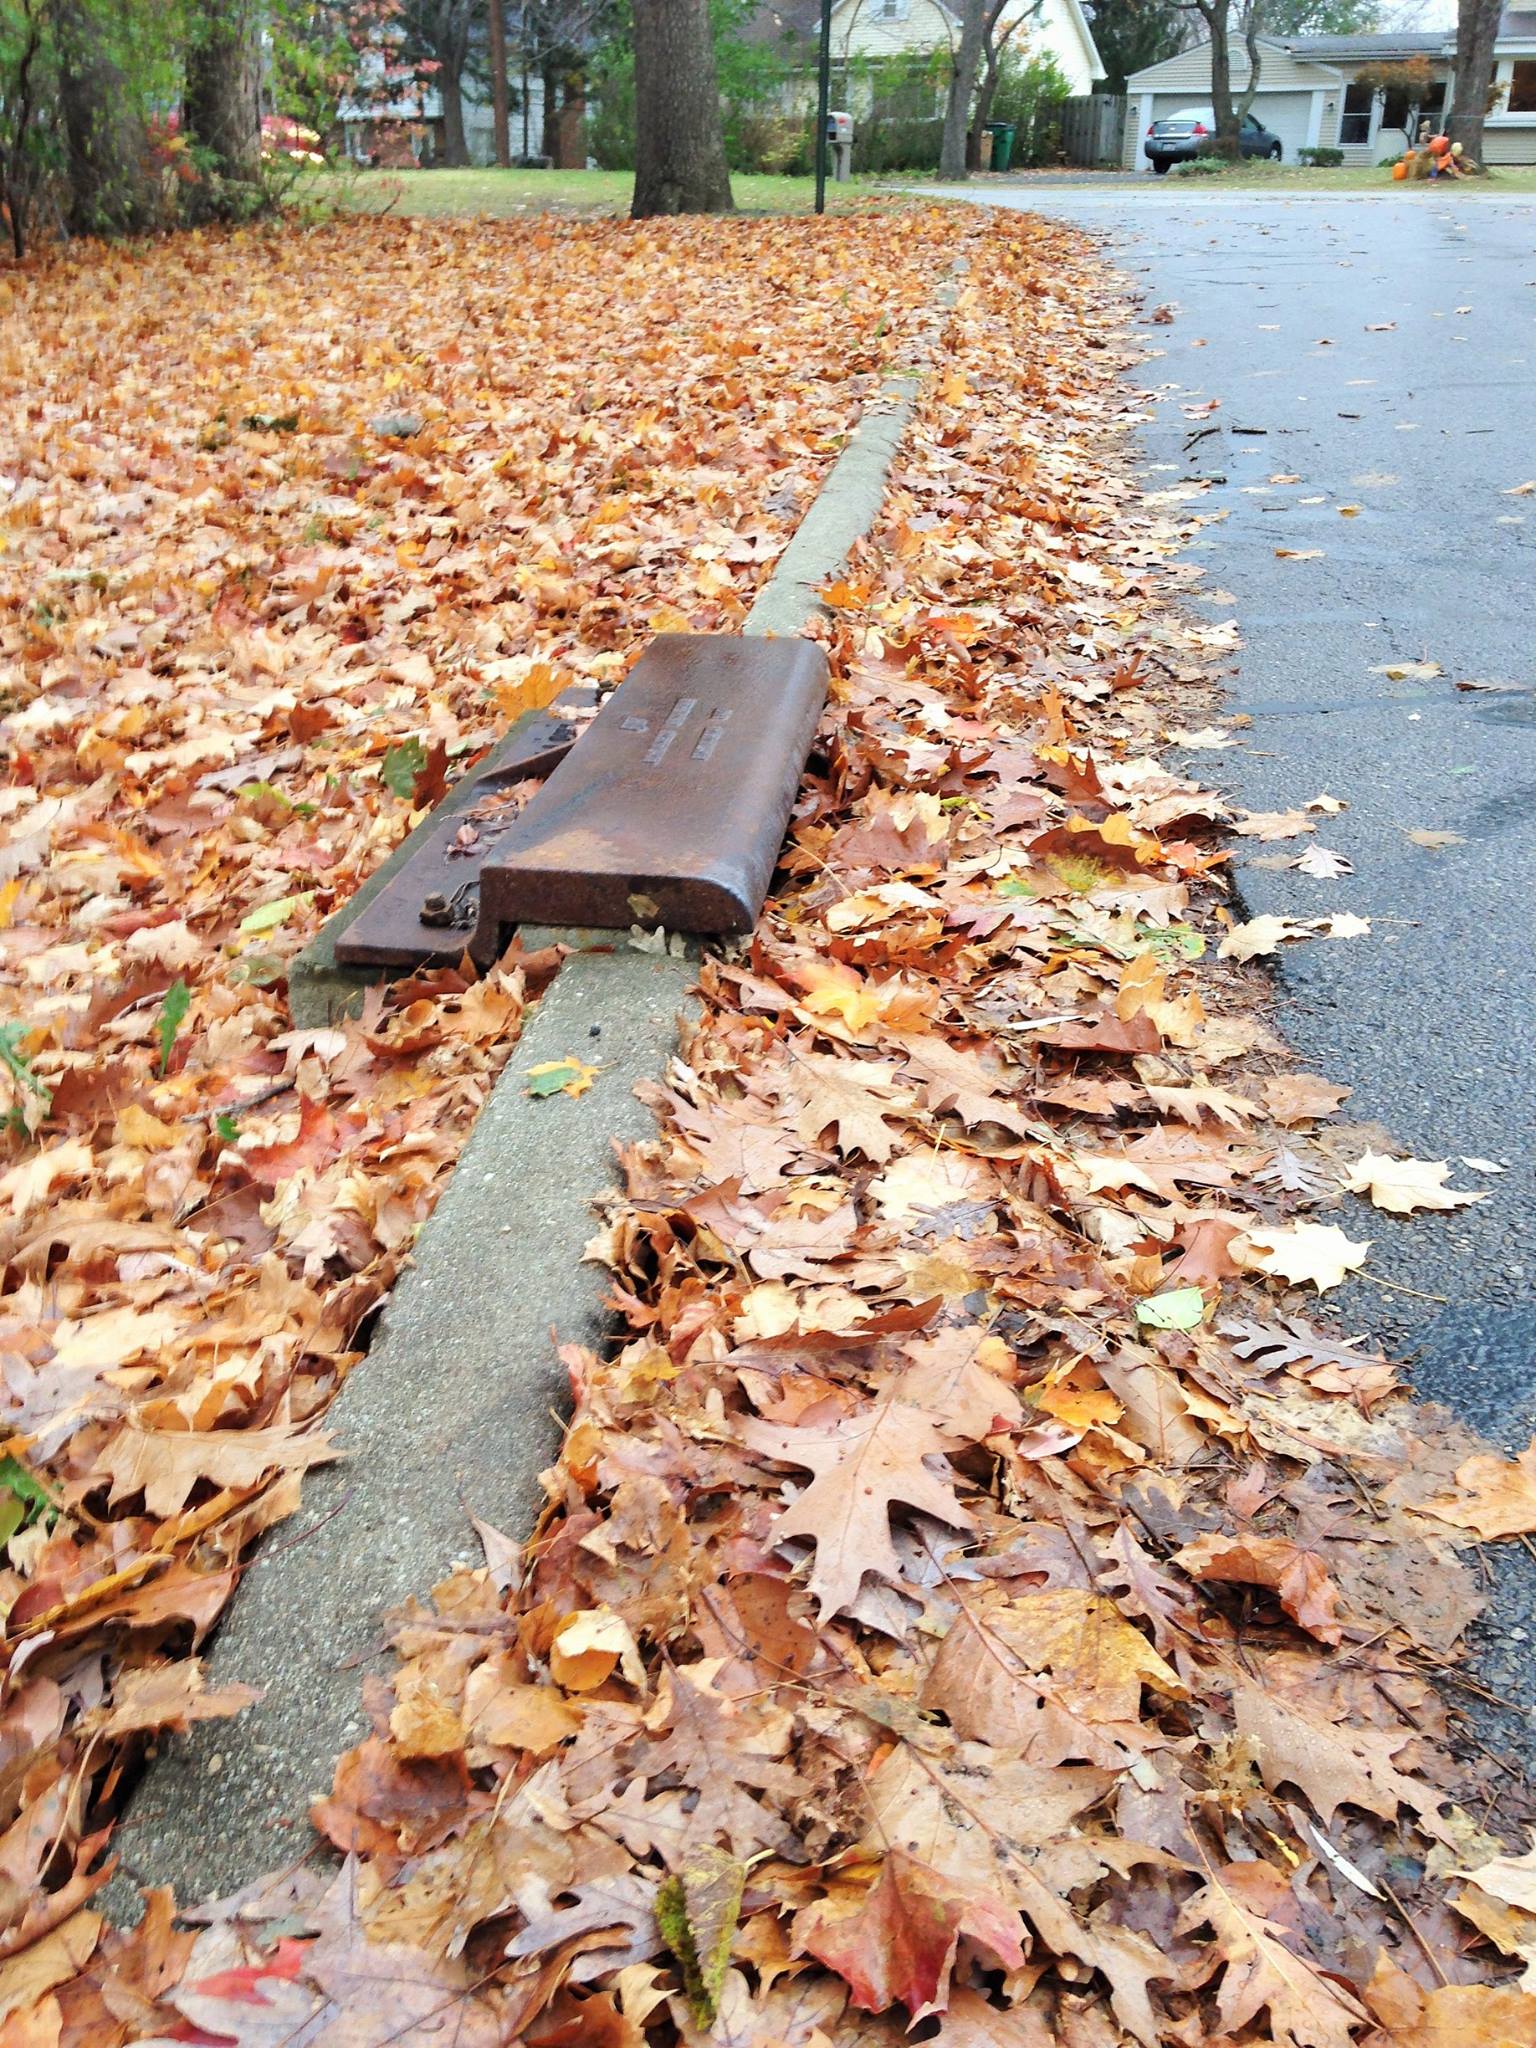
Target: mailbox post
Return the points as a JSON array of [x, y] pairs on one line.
[[840, 141]]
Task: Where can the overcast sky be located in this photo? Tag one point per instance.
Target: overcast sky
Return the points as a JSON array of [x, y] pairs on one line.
[[1425, 14]]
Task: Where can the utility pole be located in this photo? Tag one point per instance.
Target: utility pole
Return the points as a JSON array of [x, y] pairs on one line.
[[823, 103]]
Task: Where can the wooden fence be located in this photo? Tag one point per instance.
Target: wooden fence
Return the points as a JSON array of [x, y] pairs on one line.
[[1093, 130]]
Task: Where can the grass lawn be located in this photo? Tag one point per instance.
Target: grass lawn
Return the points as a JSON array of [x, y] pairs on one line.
[[505, 195]]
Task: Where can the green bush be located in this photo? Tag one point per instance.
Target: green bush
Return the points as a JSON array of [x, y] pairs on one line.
[[1030, 88], [1321, 158], [1204, 167]]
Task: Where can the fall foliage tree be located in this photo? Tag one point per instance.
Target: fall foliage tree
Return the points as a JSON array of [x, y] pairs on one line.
[[680, 162]]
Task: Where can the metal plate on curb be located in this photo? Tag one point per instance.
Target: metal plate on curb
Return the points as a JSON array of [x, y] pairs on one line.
[[671, 808], [444, 870]]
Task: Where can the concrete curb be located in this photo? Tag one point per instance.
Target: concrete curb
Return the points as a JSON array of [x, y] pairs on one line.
[[453, 1411], [451, 1414]]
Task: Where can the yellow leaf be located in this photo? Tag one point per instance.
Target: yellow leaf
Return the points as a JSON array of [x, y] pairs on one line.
[[135, 1126]]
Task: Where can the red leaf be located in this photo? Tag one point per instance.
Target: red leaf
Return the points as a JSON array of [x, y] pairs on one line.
[[315, 1144], [899, 1944]]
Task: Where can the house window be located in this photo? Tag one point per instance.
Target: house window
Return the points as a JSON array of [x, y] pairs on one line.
[[1522, 87], [1355, 121], [891, 10]]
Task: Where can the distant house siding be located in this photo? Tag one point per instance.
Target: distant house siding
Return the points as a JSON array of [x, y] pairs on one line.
[[1190, 72], [1505, 142], [864, 28]]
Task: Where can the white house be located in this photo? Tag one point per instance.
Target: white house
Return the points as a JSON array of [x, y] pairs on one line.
[[1309, 94], [875, 29]]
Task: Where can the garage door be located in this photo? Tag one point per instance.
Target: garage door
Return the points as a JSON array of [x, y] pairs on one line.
[[1286, 114]]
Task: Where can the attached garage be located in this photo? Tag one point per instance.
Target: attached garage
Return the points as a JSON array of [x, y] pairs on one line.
[[1286, 114], [1292, 100]]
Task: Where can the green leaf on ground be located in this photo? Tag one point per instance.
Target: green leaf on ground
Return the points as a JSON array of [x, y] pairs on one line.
[[267, 917], [402, 765], [569, 1076], [173, 1011], [1182, 1308]]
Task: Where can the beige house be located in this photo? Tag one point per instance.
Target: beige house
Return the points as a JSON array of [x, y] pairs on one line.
[[875, 29], [1310, 96]]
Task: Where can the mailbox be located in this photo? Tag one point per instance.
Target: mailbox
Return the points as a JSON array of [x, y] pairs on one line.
[[840, 140]]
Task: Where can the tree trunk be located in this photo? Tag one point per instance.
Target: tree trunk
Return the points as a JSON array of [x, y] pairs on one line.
[[549, 134], [17, 185], [990, 76], [1255, 65], [680, 162], [1477, 24], [496, 22], [109, 190], [222, 97], [962, 86], [455, 147], [1216, 18]]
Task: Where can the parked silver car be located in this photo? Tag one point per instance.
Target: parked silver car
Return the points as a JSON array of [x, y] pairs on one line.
[[1191, 132]]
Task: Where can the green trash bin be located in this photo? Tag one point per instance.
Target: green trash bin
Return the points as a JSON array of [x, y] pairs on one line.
[[1002, 144]]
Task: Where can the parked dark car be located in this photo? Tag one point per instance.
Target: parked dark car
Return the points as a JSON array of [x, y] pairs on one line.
[[1180, 137]]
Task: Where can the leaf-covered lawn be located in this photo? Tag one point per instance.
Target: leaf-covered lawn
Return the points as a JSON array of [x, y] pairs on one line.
[[974, 1582]]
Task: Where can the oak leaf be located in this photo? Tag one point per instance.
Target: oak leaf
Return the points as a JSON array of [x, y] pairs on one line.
[[1303, 1253], [852, 1097], [1297, 1577], [723, 1752], [165, 1465], [1258, 936], [969, 1811], [866, 1465], [1049, 1675], [1300, 1098], [1260, 1972], [1322, 1755]]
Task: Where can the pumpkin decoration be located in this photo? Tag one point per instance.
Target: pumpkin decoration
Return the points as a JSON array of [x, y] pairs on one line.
[[1439, 145], [1400, 170], [1456, 149]]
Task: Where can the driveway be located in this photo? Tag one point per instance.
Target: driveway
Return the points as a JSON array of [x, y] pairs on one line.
[[1380, 354]]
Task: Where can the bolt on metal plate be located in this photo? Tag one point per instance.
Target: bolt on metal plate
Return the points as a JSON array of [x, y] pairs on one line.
[[425, 914]]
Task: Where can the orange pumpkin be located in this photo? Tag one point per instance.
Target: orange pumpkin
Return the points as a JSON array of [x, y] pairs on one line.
[[1400, 171], [1439, 145]]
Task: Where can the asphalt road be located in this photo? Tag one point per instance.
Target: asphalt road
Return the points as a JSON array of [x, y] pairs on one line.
[[1380, 354]]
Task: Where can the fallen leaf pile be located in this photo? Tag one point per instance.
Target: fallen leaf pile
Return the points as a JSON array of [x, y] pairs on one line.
[[292, 525], [972, 1593]]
